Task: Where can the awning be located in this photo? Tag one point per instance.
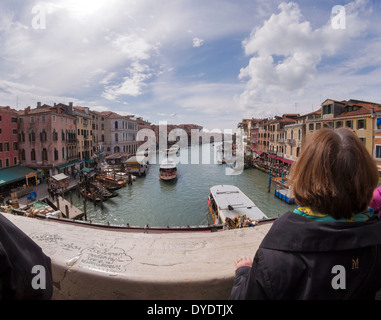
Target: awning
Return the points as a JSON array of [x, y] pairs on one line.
[[59, 177], [87, 170], [286, 160], [14, 174], [68, 164]]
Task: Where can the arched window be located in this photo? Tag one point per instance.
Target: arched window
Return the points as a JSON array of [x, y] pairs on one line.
[[32, 136], [44, 155], [43, 135], [55, 154], [33, 155], [116, 124], [116, 137], [55, 135], [23, 154], [116, 149], [22, 136]]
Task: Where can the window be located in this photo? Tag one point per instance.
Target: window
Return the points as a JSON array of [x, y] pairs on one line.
[[379, 124], [22, 136], [14, 120], [6, 146], [14, 131], [311, 127], [55, 154], [328, 109], [338, 124], [44, 155], [63, 152], [32, 136], [116, 137], [363, 141], [14, 160], [31, 119], [1, 163], [54, 118], [378, 151], [55, 135], [42, 118], [15, 146], [1, 147], [318, 126], [33, 155], [43, 135], [7, 162], [116, 124], [62, 135], [349, 124], [361, 124], [23, 155]]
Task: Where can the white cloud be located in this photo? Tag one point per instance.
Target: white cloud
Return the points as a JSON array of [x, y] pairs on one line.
[[197, 42], [285, 53], [132, 84]]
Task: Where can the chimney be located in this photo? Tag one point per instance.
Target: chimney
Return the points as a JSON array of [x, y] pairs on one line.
[[38, 104], [71, 104], [27, 110]]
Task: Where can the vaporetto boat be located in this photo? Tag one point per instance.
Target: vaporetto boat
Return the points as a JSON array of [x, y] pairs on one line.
[[230, 206]]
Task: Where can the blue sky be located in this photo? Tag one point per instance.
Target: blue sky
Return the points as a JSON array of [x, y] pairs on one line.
[[210, 63]]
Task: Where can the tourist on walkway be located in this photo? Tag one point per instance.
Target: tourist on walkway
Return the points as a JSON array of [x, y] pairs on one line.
[[330, 246]]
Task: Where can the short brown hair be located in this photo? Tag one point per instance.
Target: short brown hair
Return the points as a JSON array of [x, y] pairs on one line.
[[334, 174]]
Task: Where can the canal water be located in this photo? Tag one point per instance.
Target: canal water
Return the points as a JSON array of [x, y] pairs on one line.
[[183, 201]]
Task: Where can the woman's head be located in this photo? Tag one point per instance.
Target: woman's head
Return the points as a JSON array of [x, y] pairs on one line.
[[334, 174]]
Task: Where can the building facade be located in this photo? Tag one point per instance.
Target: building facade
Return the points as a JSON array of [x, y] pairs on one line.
[[47, 138], [9, 154]]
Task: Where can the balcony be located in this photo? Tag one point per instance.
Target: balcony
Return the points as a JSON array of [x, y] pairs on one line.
[[291, 142]]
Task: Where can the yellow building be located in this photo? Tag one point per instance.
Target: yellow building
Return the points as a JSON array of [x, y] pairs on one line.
[[353, 114], [84, 129]]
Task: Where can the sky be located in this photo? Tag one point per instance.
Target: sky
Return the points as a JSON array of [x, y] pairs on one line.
[[210, 63]]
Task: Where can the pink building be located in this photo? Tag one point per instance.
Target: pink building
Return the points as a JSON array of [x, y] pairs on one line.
[[47, 139], [8, 137]]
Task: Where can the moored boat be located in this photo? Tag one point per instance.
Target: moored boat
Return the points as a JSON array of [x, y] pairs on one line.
[[111, 183], [168, 170], [230, 206]]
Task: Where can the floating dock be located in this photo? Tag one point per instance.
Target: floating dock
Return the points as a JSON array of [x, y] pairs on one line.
[[285, 195]]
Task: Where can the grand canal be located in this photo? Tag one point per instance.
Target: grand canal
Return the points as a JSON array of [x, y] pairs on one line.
[[184, 201]]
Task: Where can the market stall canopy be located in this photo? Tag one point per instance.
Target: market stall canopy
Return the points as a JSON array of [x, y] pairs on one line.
[[14, 174]]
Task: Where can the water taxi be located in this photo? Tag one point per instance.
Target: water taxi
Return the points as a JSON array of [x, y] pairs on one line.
[[230, 206], [168, 170]]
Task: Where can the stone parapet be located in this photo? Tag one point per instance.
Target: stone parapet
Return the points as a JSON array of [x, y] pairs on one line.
[[94, 263]]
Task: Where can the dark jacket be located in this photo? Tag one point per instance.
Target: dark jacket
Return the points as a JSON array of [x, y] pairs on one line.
[[25, 271], [297, 259]]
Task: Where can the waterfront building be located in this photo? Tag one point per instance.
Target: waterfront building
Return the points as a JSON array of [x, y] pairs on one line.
[[359, 116], [9, 154], [362, 117], [83, 124], [47, 139], [118, 133]]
